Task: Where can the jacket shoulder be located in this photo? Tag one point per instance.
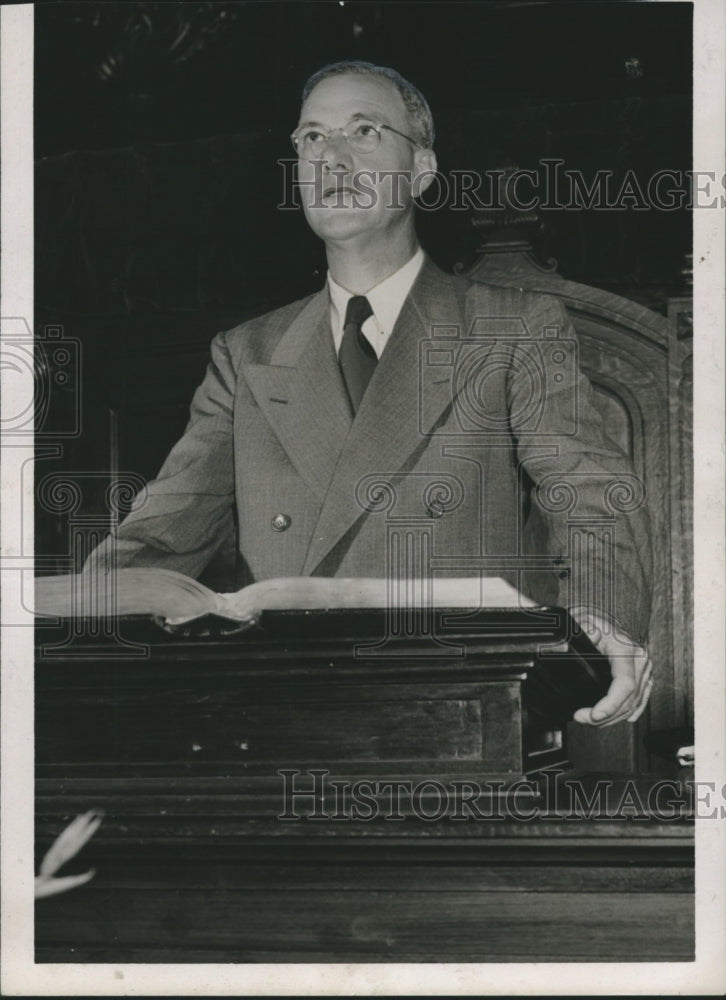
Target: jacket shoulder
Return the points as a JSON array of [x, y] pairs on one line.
[[513, 302], [254, 340], [505, 294]]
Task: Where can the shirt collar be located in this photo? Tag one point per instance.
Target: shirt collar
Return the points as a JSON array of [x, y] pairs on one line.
[[386, 298]]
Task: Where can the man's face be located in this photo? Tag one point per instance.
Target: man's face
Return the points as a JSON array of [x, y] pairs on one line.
[[348, 194]]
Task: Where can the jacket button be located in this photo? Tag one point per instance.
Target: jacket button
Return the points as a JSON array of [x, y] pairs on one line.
[[281, 522], [435, 510]]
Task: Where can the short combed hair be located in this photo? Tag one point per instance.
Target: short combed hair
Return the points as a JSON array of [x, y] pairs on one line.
[[416, 105]]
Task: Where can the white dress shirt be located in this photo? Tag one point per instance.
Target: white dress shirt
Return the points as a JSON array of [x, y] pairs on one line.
[[386, 300]]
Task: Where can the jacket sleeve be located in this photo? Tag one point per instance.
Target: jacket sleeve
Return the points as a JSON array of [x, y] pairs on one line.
[[585, 492], [186, 514]]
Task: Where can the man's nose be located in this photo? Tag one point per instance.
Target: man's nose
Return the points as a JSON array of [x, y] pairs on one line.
[[336, 153]]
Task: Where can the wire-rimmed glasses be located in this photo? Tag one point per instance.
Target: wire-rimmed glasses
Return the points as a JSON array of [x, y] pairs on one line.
[[362, 135]]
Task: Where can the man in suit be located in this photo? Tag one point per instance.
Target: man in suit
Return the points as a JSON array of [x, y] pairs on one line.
[[401, 406]]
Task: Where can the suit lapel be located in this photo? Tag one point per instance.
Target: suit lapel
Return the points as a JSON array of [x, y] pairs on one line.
[[404, 399], [302, 395]]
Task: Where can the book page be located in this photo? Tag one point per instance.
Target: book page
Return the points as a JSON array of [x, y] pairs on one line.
[[121, 592], [297, 593]]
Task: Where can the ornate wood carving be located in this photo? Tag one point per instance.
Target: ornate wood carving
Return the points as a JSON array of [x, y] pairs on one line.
[[639, 364]]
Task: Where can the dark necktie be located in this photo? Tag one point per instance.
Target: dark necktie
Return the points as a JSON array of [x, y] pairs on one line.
[[357, 358]]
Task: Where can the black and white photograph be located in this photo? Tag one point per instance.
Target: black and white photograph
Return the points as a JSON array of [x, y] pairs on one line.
[[362, 522]]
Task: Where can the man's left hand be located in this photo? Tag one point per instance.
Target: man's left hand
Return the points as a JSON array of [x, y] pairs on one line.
[[632, 672]]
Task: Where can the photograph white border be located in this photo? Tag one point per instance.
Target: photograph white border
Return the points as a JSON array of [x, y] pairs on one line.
[[20, 976]]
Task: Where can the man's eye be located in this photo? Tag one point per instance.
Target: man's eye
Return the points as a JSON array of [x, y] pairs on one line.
[[365, 129], [312, 135]]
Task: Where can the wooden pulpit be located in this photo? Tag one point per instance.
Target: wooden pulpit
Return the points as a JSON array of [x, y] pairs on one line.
[[480, 694], [341, 786]]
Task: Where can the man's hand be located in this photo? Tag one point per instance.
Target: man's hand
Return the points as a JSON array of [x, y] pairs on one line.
[[631, 668]]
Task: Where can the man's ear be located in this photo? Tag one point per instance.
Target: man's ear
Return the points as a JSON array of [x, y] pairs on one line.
[[424, 170]]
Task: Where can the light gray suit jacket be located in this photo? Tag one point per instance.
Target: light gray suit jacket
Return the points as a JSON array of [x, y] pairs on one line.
[[477, 396]]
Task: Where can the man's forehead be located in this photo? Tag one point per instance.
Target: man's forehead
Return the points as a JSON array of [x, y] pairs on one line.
[[350, 94]]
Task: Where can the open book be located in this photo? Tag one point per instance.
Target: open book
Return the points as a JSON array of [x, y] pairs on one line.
[[178, 599]]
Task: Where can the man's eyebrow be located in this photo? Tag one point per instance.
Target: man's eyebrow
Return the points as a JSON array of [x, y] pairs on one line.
[[353, 118]]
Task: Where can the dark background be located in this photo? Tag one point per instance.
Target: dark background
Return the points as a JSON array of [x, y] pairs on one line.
[[158, 128]]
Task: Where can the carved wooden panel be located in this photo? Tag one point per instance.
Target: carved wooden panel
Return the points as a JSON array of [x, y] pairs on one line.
[[638, 363]]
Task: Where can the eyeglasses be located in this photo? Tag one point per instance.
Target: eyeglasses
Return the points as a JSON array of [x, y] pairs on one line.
[[362, 135]]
